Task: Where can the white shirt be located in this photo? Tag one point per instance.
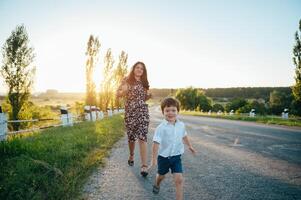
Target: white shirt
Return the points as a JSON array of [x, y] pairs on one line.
[[170, 137]]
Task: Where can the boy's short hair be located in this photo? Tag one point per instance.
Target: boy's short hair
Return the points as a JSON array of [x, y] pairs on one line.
[[169, 101]]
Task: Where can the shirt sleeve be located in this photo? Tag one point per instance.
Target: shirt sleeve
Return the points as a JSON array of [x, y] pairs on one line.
[[157, 135]]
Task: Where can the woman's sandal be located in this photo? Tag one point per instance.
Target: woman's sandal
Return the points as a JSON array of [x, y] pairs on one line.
[[131, 162], [143, 173]]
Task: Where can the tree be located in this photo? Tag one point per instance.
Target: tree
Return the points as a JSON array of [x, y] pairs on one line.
[[235, 104], [17, 70], [278, 102], [119, 74], [92, 52], [297, 62], [187, 98], [106, 90], [192, 99], [203, 102]]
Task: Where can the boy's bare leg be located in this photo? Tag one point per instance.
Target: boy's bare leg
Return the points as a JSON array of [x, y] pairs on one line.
[[178, 179], [131, 149], [159, 178]]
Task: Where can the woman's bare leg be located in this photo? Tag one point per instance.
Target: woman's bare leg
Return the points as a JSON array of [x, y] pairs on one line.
[[131, 149], [143, 152]]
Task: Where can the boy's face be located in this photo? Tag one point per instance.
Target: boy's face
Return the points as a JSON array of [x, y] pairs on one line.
[[170, 113]]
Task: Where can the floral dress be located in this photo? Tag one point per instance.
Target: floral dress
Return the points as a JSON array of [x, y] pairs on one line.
[[136, 112]]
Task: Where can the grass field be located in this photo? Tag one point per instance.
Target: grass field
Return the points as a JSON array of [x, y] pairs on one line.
[[55, 163], [260, 119]]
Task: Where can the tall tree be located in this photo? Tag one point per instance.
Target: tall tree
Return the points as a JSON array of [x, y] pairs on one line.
[[296, 104], [92, 53], [119, 74], [17, 70], [106, 89], [297, 62]]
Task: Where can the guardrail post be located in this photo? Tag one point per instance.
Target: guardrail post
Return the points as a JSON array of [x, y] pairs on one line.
[[115, 111], [252, 113], [285, 114], [110, 113], [3, 125], [99, 114], [93, 113], [87, 113], [66, 118]]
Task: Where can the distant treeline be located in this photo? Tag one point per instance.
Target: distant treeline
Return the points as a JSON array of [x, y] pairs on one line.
[[161, 93], [238, 92], [245, 92]]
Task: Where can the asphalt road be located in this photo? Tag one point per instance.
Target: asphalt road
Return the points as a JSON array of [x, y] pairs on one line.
[[235, 160]]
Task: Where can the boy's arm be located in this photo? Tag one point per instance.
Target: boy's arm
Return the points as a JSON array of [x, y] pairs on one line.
[[187, 142], [155, 149]]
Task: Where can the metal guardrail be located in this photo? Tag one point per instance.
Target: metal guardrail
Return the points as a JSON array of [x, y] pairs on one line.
[[248, 115], [66, 119]]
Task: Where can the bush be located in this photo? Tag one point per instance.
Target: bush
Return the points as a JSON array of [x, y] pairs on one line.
[[278, 102], [235, 104], [216, 107], [259, 108]]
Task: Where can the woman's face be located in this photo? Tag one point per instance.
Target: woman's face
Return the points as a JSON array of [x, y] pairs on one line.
[[138, 71]]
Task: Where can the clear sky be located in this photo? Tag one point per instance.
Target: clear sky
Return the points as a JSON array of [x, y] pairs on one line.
[[183, 43]]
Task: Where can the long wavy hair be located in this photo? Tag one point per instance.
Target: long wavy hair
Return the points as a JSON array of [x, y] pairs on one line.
[[131, 77]]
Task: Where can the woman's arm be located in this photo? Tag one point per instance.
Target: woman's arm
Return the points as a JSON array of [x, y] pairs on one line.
[[148, 95], [122, 88], [119, 92]]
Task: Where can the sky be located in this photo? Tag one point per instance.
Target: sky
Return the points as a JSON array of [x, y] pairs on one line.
[[205, 44]]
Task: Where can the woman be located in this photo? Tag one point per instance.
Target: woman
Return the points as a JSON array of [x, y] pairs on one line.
[[135, 89]]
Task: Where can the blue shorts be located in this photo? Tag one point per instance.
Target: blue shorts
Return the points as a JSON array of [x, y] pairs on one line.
[[173, 163]]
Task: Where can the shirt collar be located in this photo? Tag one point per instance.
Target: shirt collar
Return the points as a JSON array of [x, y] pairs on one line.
[[165, 122]]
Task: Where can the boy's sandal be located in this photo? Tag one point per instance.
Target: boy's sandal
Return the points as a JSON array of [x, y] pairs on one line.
[[156, 189], [143, 173], [131, 162]]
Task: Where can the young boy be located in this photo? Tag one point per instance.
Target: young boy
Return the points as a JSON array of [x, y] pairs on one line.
[[168, 146]]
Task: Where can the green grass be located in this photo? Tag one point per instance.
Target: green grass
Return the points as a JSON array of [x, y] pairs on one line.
[[55, 164], [260, 119]]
